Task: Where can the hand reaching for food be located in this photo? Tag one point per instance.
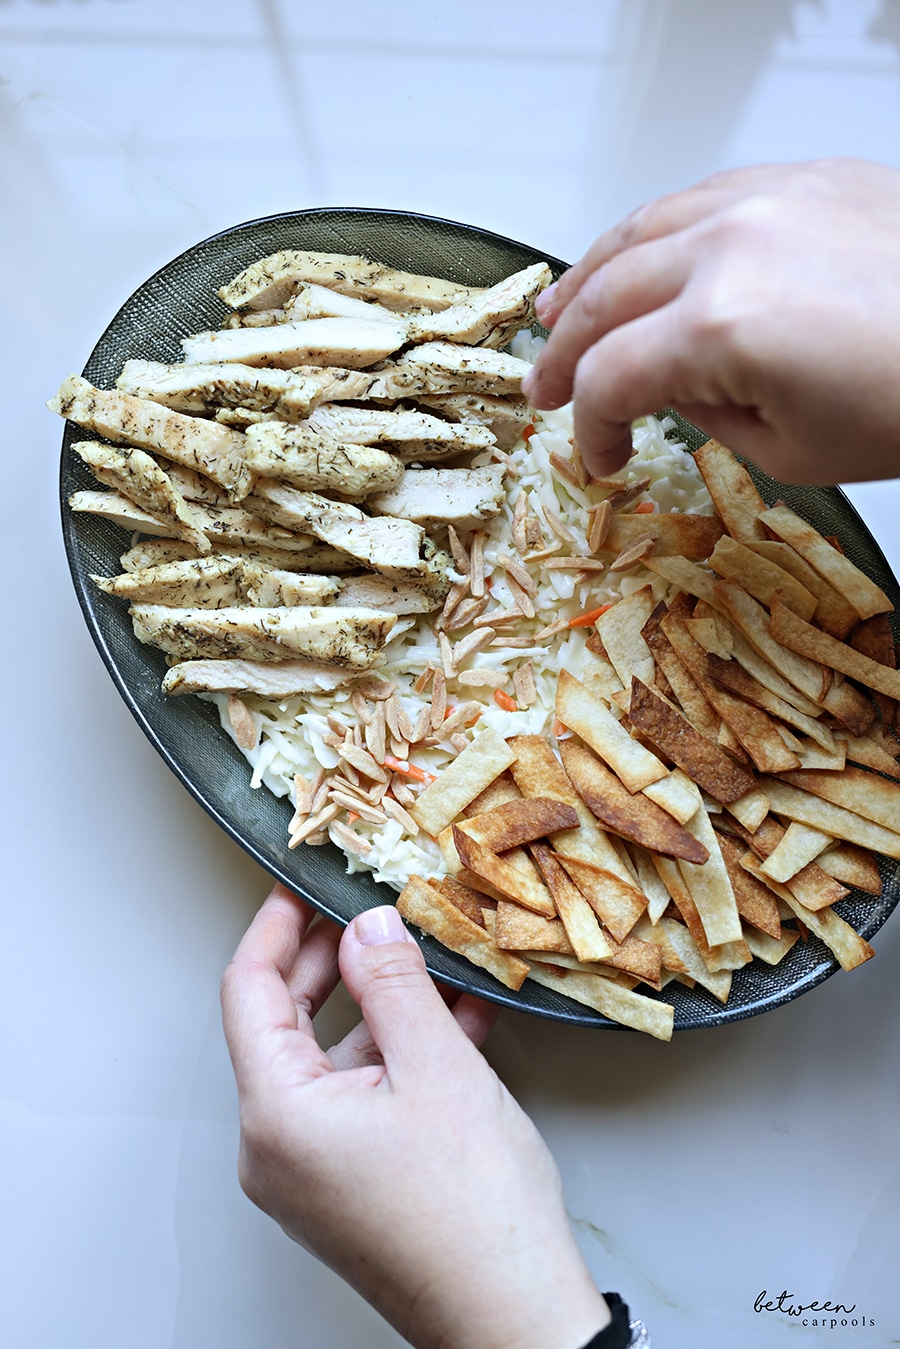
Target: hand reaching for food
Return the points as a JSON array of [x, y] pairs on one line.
[[762, 304], [398, 1157]]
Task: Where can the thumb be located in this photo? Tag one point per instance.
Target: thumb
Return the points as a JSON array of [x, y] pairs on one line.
[[383, 969]]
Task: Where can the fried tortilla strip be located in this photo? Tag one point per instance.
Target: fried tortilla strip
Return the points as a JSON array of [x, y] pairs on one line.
[[588, 941], [475, 768], [672, 793], [495, 794], [733, 491], [866, 597], [610, 999], [505, 878], [753, 728], [734, 677], [703, 761], [750, 810], [520, 929], [816, 645], [865, 793], [771, 949], [799, 845], [709, 883], [873, 638], [755, 902], [687, 576], [676, 535], [833, 613], [797, 804], [463, 897], [517, 822], [620, 629], [760, 577], [617, 903], [633, 817], [751, 619], [192, 441], [678, 947], [848, 948], [697, 707], [538, 772], [853, 866], [589, 717], [424, 905]]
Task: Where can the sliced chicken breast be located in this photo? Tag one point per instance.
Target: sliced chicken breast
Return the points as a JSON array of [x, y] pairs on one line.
[[314, 461], [505, 418], [380, 592], [351, 638], [315, 302], [198, 444], [462, 497], [272, 679], [415, 435], [444, 367], [206, 387], [219, 582], [491, 318], [349, 342], [138, 477], [273, 280]]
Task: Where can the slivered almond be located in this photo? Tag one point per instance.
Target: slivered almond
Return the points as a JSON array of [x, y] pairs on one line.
[[460, 556], [332, 740], [313, 824], [534, 537], [349, 839], [360, 707], [446, 654], [400, 748], [575, 562], [459, 742], [422, 726], [242, 723], [401, 791], [363, 762], [349, 802], [508, 463], [373, 687], [455, 595], [438, 700], [466, 613], [375, 735], [556, 525], [520, 511], [424, 679], [396, 812], [635, 552], [321, 792], [339, 727], [601, 515], [523, 600], [551, 630], [518, 573], [565, 468], [545, 552], [476, 569], [464, 713], [581, 474], [483, 679], [497, 617], [303, 793], [399, 723], [468, 646], [517, 642], [317, 839], [523, 683], [628, 493]]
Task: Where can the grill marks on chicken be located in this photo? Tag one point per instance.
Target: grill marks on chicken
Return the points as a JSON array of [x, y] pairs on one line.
[[246, 462]]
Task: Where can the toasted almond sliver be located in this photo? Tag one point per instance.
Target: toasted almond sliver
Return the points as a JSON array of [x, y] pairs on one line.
[[476, 556], [635, 552], [534, 537], [242, 722], [464, 713], [373, 687], [600, 521], [349, 839], [577, 562], [524, 602], [303, 794], [523, 683], [422, 726], [363, 762], [460, 556], [520, 643], [313, 825], [400, 749], [376, 734], [546, 633], [483, 679], [466, 613], [468, 646], [565, 468], [520, 512], [396, 812], [455, 596], [360, 707], [459, 741], [556, 525], [508, 463], [424, 679], [582, 477], [446, 654], [627, 493], [399, 723], [350, 802], [497, 617], [438, 700], [518, 573], [401, 791]]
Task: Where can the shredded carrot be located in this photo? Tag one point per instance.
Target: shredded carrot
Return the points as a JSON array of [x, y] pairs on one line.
[[529, 432], [352, 816], [449, 712], [505, 701], [645, 508], [590, 616], [407, 770]]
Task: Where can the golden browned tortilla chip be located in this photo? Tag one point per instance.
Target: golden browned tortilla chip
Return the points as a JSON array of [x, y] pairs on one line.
[[703, 761], [734, 494], [817, 645], [858, 589], [424, 905], [513, 882], [516, 822]]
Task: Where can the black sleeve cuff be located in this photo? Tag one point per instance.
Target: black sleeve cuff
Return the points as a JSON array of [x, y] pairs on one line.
[[617, 1335]]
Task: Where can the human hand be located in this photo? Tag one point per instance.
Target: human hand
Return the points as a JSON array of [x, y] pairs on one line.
[[398, 1157], [764, 304]]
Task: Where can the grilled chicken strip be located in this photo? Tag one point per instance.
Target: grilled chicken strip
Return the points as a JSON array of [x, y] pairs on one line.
[[396, 548], [139, 478], [352, 343], [351, 638], [310, 460], [273, 280], [199, 387], [380, 592], [444, 367], [462, 497], [218, 582], [225, 525], [273, 679], [191, 441], [318, 557], [505, 418], [316, 302], [415, 435], [491, 318]]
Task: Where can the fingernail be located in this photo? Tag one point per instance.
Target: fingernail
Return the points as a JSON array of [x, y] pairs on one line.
[[544, 301], [376, 927]]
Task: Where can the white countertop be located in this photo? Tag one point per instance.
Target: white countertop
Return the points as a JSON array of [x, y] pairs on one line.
[[758, 1156]]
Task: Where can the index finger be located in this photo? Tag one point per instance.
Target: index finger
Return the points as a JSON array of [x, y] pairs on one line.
[[263, 996]]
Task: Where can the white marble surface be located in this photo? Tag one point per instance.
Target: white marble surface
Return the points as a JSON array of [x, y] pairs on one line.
[[764, 1155]]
